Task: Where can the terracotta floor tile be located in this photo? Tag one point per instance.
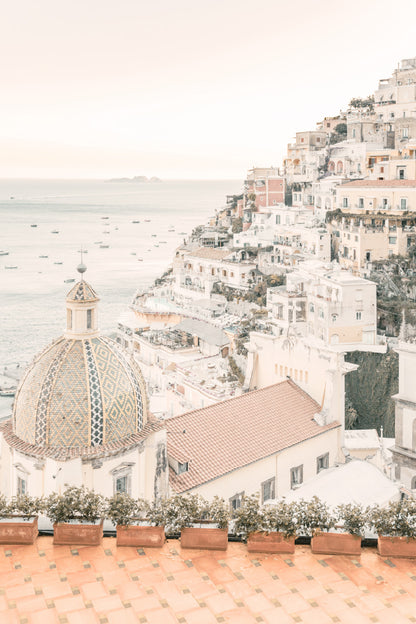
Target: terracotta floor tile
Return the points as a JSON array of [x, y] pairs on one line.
[[107, 603], [130, 589], [86, 616], [239, 616], [257, 603], [68, 604], [46, 616], [316, 616], [201, 615], [239, 589], [94, 589], [55, 590], [160, 616], [30, 604], [219, 603], [277, 616], [294, 603], [20, 591], [122, 616], [145, 603]]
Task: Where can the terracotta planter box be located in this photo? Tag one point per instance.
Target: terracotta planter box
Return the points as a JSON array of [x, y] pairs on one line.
[[78, 534], [18, 531], [145, 536], [270, 543], [396, 546], [206, 539], [336, 544]]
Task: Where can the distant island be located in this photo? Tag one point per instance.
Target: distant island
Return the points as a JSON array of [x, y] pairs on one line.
[[137, 179]]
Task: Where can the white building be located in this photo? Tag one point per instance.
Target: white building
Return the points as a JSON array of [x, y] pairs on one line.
[[328, 303]]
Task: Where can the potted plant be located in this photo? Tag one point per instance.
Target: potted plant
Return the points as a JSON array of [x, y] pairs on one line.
[[19, 519], [396, 528], [77, 516], [278, 526], [138, 523], [201, 524], [349, 521]]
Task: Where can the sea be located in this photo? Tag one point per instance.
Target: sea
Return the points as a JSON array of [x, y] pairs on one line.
[[129, 232]]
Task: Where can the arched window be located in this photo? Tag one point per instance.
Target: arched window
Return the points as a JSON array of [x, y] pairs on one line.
[[340, 166], [331, 166]]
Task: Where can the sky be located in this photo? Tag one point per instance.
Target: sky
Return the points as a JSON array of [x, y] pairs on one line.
[[189, 89]]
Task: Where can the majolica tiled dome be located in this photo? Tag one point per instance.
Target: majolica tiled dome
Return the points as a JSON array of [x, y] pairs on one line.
[[83, 390]]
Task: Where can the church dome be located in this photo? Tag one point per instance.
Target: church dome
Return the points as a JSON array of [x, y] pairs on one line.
[[83, 390]]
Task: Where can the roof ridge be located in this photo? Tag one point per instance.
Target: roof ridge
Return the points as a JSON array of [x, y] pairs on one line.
[[241, 396]]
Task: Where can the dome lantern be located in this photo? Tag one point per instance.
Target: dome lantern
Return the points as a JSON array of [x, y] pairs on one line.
[[82, 309]]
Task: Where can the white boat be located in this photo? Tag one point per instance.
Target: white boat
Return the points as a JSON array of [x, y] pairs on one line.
[[4, 253], [104, 246], [69, 281], [132, 253], [43, 256], [58, 262], [139, 259], [135, 221], [10, 267], [34, 225], [55, 232]]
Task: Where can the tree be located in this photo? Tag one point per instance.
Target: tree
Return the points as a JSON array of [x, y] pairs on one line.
[[237, 225]]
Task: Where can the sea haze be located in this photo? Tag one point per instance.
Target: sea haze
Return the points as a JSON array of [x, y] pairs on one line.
[[32, 305]]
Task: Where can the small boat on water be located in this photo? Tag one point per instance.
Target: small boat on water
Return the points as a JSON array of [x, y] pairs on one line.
[[105, 217], [69, 281], [10, 267], [34, 225], [135, 221], [154, 234], [43, 256], [55, 232], [98, 242], [106, 232], [171, 230], [162, 241], [132, 253], [4, 253], [8, 392], [147, 220], [104, 246], [155, 245], [182, 233], [58, 262], [139, 259]]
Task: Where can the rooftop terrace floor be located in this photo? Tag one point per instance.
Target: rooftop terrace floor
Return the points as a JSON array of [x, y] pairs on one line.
[[44, 584]]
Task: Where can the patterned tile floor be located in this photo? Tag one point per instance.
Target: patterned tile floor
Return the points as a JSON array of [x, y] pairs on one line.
[[44, 584]]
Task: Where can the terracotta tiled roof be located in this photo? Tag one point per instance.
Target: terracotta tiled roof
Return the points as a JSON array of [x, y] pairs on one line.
[[380, 184], [210, 253], [85, 452], [228, 435]]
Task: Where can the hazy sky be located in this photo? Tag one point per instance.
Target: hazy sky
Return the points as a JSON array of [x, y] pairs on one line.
[[183, 88]]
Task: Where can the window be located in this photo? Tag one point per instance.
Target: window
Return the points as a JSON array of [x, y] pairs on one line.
[[235, 502], [403, 203], [413, 485], [405, 132], [358, 316], [311, 307], [296, 476], [361, 202], [121, 485], [321, 313], [89, 319], [183, 467], [345, 202], [353, 133], [318, 140], [322, 462], [277, 219], [385, 202], [69, 319], [21, 485], [392, 240], [334, 318], [268, 489], [401, 174], [122, 478]]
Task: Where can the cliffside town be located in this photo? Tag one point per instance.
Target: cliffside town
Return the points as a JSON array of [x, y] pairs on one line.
[[309, 274]]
